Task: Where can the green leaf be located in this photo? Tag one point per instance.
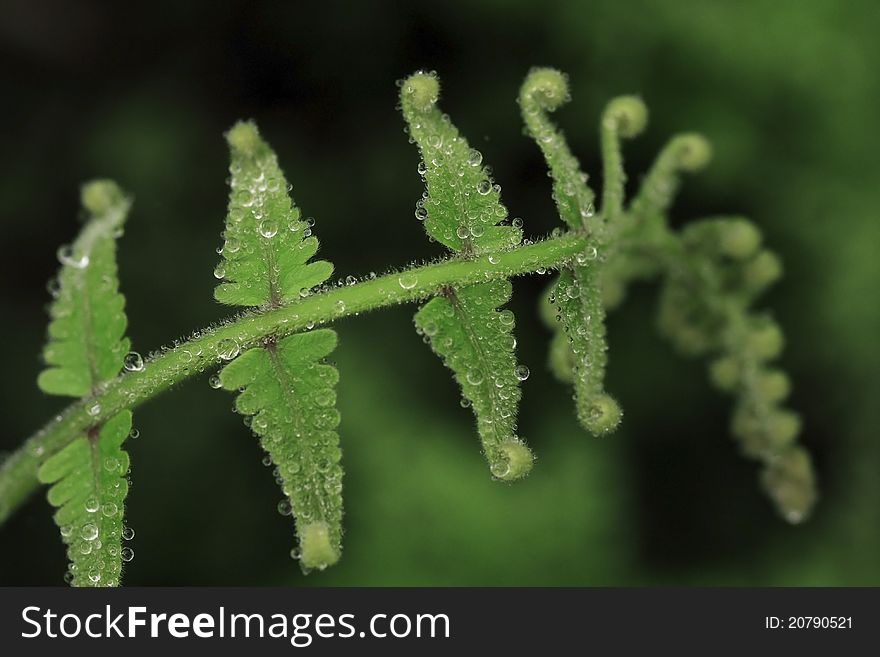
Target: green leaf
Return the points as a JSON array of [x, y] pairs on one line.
[[546, 90], [86, 334], [267, 244], [89, 489], [475, 340], [580, 309], [288, 394], [577, 293], [462, 207]]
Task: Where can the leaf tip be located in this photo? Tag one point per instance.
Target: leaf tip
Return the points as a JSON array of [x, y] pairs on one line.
[[100, 196], [627, 115], [693, 151], [420, 91], [317, 549], [545, 87], [244, 137], [517, 461], [600, 414]]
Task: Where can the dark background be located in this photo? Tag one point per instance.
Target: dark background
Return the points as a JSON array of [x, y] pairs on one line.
[[786, 91]]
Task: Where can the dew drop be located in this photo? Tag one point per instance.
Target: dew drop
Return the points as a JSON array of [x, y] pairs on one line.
[[127, 554], [127, 533], [407, 280], [522, 372], [94, 409], [92, 504], [214, 382], [89, 532], [475, 157], [66, 256], [284, 507], [220, 271], [228, 348], [500, 469], [484, 187], [268, 228], [474, 377], [133, 362]]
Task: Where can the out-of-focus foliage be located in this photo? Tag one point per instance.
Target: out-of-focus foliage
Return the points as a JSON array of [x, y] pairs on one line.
[[787, 94]]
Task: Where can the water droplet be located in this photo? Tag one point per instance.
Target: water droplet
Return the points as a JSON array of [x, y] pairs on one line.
[[422, 168], [268, 228], [127, 554], [94, 409], [284, 507], [421, 213], [109, 509], [228, 348], [92, 504], [214, 382], [134, 434], [127, 533], [474, 377], [133, 362], [350, 280], [500, 469], [484, 187], [89, 532], [220, 271], [340, 306], [407, 280], [465, 402], [522, 372], [66, 256], [475, 157], [517, 222]]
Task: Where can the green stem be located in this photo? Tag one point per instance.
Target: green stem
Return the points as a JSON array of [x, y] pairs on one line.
[[212, 347]]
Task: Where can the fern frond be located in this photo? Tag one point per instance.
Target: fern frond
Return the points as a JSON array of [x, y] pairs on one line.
[[267, 244], [89, 489], [704, 309], [86, 334], [577, 293], [580, 307], [545, 90], [86, 349], [288, 394], [462, 209], [475, 340]]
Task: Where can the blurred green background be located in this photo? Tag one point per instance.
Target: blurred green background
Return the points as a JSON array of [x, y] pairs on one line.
[[787, 92]]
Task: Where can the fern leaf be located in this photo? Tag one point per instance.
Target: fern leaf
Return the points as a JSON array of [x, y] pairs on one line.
[[577, 293], [89, 489], [267, 244], [462, 209], [580, 308], [86, 334], [545, 90], [475, 340], [87, 348], [288, 394]]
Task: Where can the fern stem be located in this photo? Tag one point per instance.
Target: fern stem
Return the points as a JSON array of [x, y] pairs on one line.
[[212, 347]]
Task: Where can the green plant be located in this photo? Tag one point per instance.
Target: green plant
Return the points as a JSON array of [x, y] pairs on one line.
[[272, 353]]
